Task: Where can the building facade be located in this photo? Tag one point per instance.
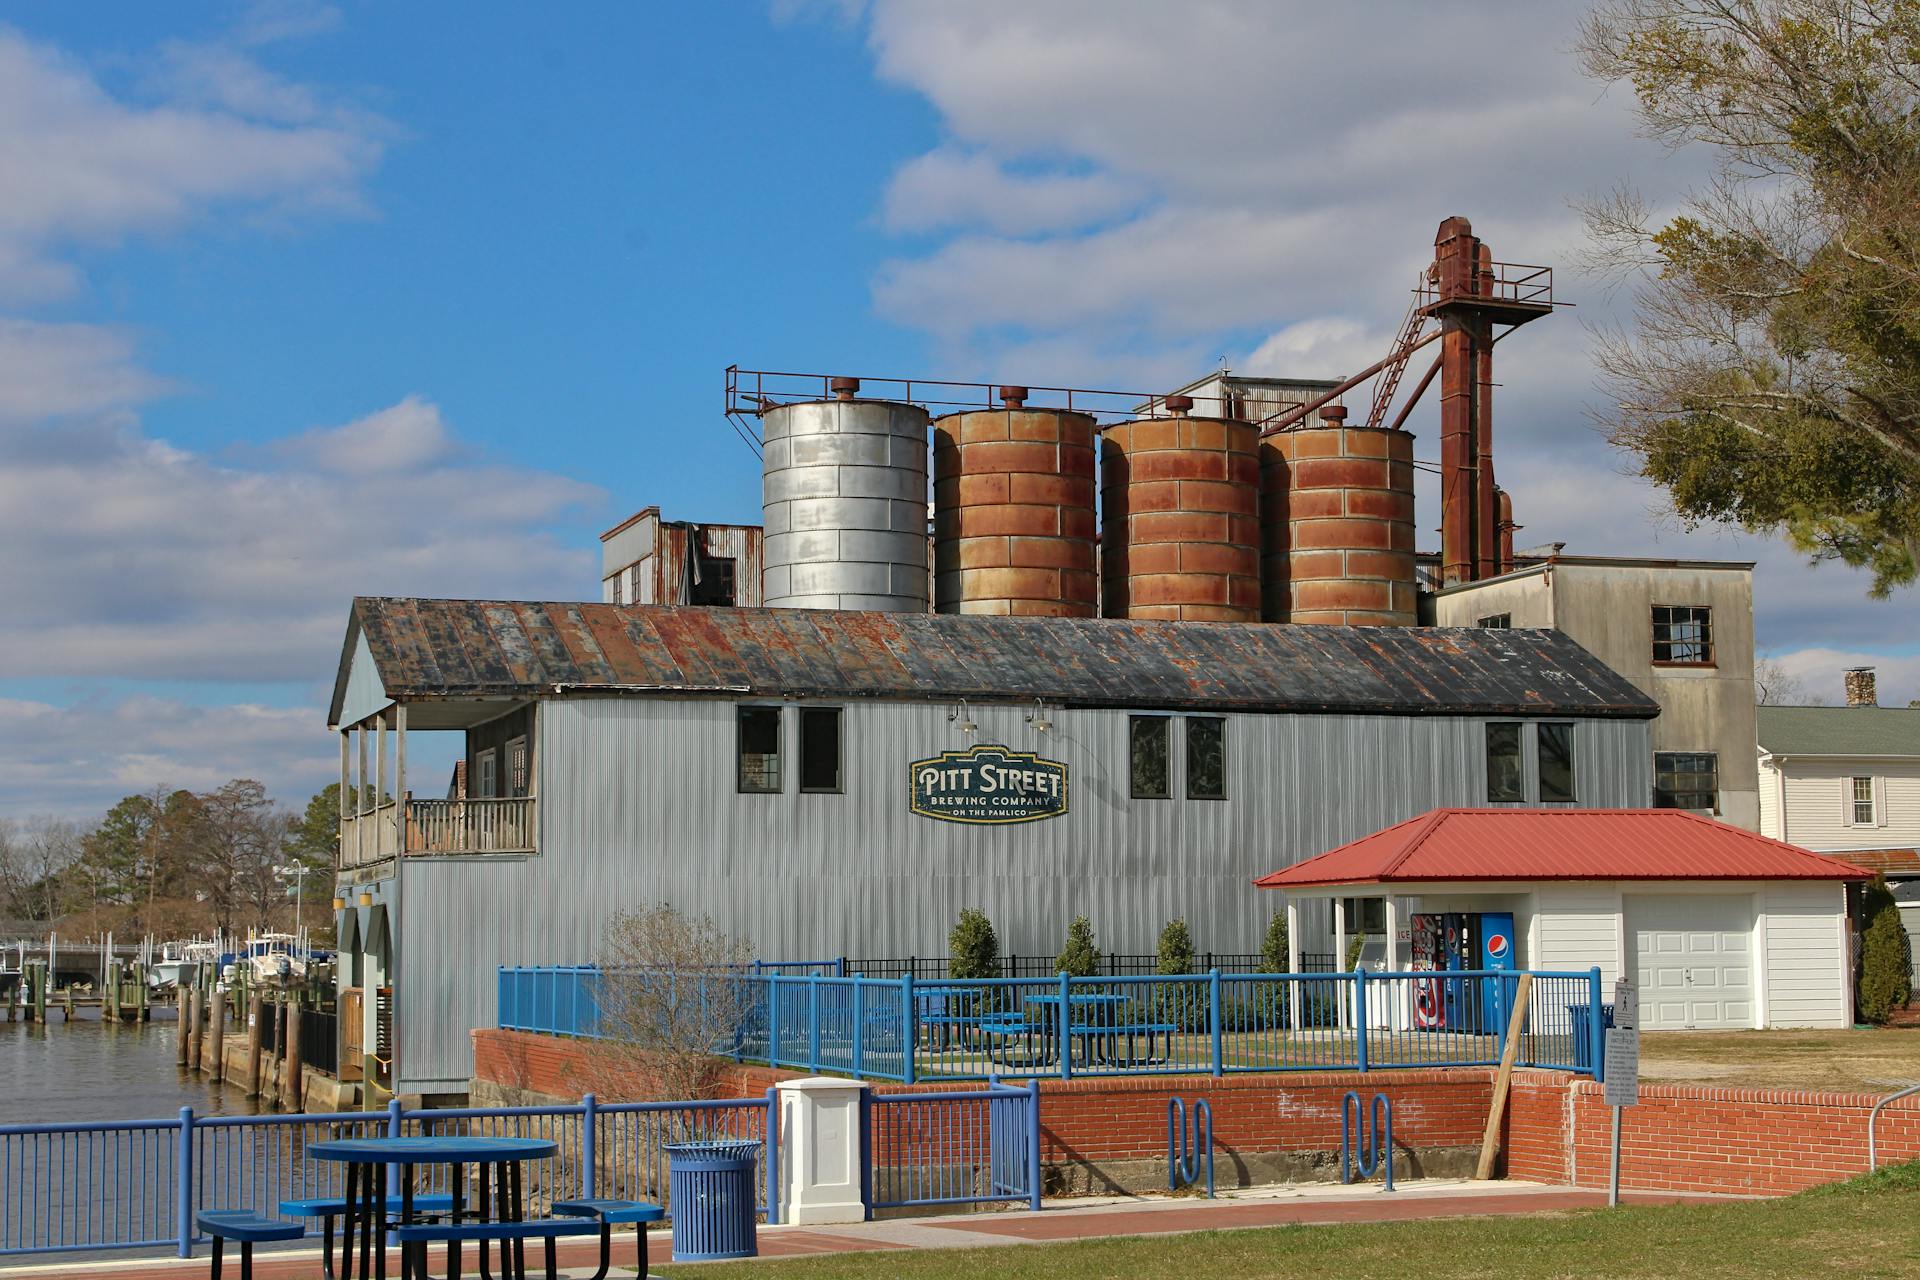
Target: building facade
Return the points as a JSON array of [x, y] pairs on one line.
[[1681, 631], [842, 784], [647, 560]]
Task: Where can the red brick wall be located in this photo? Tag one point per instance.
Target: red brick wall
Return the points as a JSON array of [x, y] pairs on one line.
[[1681, 1137]]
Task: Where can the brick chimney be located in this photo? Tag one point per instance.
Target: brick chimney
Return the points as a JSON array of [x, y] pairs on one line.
[[1860, 691]]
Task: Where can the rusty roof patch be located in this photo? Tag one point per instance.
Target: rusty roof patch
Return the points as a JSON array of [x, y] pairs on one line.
[[490, 648]]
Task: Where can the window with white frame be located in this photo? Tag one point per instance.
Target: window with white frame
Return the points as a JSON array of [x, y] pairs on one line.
[[1863, 807], [486, 775], [517, 773]]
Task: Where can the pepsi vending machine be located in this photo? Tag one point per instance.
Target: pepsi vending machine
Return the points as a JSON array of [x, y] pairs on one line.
[[1497, 952], [1424, 933]]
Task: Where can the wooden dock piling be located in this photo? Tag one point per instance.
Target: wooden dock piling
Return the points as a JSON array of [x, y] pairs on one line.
[[256, 1010], [110, 993], [194, 1034], [290, 1055], [184, 1024], [218, 1034]]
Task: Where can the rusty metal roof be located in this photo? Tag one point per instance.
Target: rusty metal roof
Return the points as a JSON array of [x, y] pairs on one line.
[[435, 649], [1559, 844]]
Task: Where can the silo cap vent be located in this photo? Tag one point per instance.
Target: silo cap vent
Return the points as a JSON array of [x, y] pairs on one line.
[[1179, 404], [1013, 397], [844, 388]]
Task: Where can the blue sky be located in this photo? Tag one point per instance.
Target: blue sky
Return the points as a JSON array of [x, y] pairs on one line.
[[298, 302]]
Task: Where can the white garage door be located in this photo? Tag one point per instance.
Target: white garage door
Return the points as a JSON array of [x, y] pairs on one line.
[[1693, 960]]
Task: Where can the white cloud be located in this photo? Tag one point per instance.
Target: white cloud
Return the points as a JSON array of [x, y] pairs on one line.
[[403, 437], [52, 371], [946, 188], [1330, 347], [85, 167]]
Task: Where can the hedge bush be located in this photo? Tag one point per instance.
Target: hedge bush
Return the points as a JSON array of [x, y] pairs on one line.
[[1079, 958], [1886, 957], [973, 948]]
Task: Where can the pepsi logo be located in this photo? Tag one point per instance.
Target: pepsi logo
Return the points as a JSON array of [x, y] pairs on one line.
[[1497, 945]]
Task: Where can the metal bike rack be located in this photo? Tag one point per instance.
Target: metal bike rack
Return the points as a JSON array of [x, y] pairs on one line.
[[1186, 1141], [1374, 1152]]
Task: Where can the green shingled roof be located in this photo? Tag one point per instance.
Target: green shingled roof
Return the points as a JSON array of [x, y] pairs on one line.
[[1840, 731]]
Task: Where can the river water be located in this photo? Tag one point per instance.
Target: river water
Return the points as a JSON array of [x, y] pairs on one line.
[[97, 1070]]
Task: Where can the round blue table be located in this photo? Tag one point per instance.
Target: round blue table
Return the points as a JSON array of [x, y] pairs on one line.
[[367, 1160]]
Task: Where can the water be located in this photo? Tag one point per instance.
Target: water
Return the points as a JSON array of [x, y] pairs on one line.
[[96, 1070]]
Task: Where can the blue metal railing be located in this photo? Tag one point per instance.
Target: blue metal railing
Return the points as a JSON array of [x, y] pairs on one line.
[[970, 1147], [911, 1030], [139, 1183]]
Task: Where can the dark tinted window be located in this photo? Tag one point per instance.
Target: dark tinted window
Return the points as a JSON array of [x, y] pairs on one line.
[[819, 748], [759, 748], [1495, 622], [1206, 758], [1506, 783], [716, 583], [1686, 780], [1556, 763], [1148, 757]]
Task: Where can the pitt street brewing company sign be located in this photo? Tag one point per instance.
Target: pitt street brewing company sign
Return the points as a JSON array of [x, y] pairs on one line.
[[988, 784]]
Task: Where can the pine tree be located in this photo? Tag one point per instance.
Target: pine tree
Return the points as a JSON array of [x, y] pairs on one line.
[[973, 949], [1079, 958], [1276, 947], [1886, 957], [1176, 950]]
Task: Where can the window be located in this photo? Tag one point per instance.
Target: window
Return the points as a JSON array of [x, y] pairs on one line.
[[759, 749], [1683, 634], [484, 775], [1686, 780], [517, 767], [715, 585], [619, 582], [820, 748], [1506, 782], [1495, 622], [1147, 739], [1863, 802], [1556, 763], [1366, 915], [1206, 758]]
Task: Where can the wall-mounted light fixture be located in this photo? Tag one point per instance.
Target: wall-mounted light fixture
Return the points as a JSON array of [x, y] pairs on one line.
[[339, 904], [1038, 716], [366, 899], [957, 717]]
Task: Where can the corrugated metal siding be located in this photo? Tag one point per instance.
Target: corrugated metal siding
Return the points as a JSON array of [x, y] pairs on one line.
[[638, 805]]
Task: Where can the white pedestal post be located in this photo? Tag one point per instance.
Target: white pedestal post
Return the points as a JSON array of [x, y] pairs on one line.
[[821, 1157]]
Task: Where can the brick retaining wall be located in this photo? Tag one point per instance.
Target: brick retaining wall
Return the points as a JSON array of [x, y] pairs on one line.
[[1110, 1133]]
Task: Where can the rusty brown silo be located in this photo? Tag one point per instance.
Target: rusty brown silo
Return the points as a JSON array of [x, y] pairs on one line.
[[1336, 516], [1013, 494], [1180, 529]]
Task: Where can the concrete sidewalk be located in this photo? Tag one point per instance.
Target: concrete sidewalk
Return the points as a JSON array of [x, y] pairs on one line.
[[1077, 1219]]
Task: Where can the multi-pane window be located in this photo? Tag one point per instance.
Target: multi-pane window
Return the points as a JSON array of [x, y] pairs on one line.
[[759, 749], [485, 775], [1556, 762], [517, 778], [820, 748], [619, 581], [1148, 757], [1683, 634], [1863, 802], [1495, 622], [1506, 780], [1206, 758], [1686, 780]]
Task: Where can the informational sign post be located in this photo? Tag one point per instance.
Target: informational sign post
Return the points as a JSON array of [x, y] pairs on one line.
[[1622, 1069]]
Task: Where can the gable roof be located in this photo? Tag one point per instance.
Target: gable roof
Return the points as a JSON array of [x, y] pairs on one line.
[[426, 649], [1560, 844], [1839, 731]]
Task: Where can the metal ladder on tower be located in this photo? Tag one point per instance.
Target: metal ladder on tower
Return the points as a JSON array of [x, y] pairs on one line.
[[1389, 385]]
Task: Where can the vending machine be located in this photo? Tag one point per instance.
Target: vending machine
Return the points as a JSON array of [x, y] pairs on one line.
[[1424, 935], [1460, 950], [1497, 951]]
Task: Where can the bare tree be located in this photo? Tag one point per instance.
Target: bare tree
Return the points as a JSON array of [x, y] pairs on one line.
[[671, 994], [48, 849], [1775, 686]]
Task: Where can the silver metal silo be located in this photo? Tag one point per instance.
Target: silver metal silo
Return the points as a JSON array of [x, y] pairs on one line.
[[845, 504]]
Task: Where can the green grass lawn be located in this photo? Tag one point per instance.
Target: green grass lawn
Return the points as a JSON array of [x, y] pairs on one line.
[[1865, 1227]]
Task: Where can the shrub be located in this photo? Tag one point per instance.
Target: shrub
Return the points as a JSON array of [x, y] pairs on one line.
[[669, 994], [973, 949], [1079, 958], [1176, 950], [1275, 946], [1355, 945], [1886, 958]]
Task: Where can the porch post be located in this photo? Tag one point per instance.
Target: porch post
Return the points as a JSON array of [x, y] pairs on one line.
[[340, 822], [380, 774], [1293, 962], [1340, 951], [360, 799], [400, 779]]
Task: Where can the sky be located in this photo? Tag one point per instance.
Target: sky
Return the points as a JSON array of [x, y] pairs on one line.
[[301, 302]]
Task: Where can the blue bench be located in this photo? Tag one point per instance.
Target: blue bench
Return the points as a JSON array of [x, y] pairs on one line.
[[611, 1213], [327, 1208], [249, 1229], [415, 1237]]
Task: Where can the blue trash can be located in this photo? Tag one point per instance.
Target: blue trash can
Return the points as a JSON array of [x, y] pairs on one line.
[[711, 1199], [1582, 1033]]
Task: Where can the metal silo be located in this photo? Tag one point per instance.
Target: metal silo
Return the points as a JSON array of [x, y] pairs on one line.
[[1180, 525], [1013, 511], [844, 496]]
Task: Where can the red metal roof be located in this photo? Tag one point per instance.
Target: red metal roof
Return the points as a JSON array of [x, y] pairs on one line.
[[1560, 844]]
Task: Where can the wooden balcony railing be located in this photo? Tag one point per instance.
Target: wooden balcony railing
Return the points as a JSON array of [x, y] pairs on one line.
[[442, 826]]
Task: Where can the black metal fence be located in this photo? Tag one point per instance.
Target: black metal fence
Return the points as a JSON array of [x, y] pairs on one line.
[[320, 1039]]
